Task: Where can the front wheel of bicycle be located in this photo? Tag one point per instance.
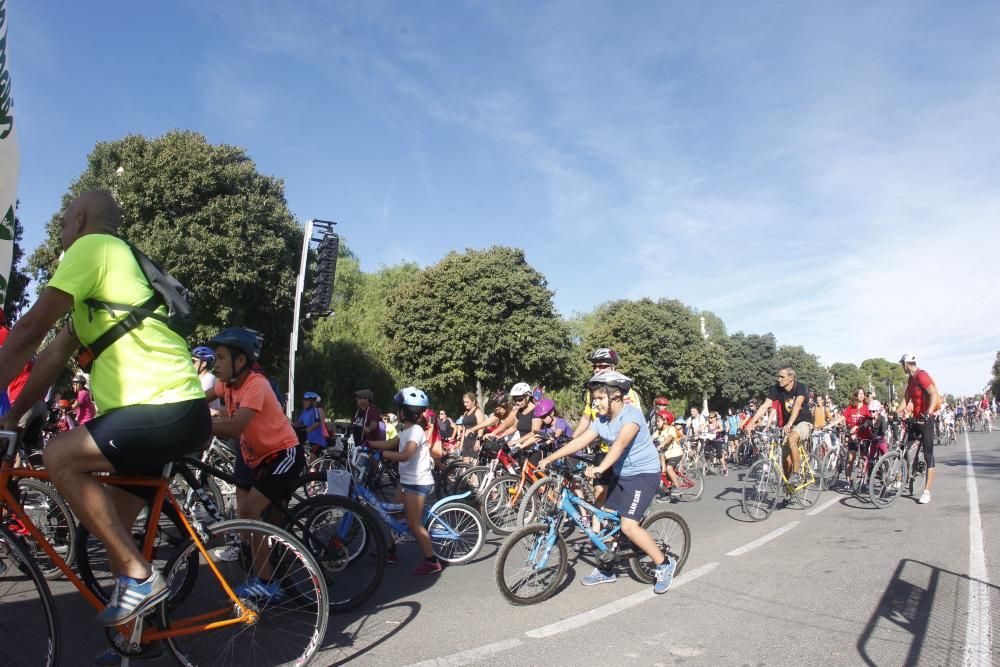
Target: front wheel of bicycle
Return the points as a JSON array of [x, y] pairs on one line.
[[691, 486], [531, 564], [290, 621], [829, 469], [457, 533], [31, 635], [500, 504], [673, 537], [761, 488], [887, 480]]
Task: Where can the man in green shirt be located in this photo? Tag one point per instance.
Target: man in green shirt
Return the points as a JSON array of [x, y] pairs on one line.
[[151, 407]]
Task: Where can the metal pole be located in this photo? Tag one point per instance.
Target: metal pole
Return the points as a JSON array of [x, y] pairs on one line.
[[293, 344]]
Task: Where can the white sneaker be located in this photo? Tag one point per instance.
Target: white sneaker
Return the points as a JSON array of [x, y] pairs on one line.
[[228, 554], [925, 497]]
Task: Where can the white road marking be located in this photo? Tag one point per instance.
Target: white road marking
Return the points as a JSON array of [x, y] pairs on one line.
[[750, 546], [615, 607], [817, 510], [977, 629], [470, 656]]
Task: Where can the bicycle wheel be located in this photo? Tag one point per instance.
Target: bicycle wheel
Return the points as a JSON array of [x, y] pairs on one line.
[[92, 559], [450, 477], [887, 480], [917, 480], [472, 480], [531, 564], [672, 536], [691, 486], [761, 488], [829, 469], [52, 516], [498, 505], [457, 532], [181, 490], [29, 626], [856, 478], [289, 627], [809, 494], [348, 544]]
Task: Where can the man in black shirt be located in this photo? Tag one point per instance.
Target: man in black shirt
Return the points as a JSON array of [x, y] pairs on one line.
[[791, 399]]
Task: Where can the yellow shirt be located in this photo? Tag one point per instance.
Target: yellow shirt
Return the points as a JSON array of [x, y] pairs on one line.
[[819, 417], [150, 365]]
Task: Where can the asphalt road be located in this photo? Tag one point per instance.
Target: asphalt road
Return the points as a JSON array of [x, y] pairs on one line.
[[843, 583]]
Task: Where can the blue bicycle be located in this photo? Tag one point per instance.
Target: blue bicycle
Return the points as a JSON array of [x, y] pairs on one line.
[[456, 529], [532, 562]]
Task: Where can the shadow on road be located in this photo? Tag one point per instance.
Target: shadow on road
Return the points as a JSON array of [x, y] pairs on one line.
[[931, 605], [343, 636]]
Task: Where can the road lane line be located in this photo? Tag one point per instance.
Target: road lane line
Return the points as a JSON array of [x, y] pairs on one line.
[[829, 503], [615, 607], [750, 546], [470, 656], [977, 629]]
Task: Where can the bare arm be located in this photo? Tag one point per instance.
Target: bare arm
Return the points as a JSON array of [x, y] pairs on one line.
[[571, 447], [531, 438], [408, 453], [509, 425], [47, 367], [30, 331], [764, 407], [233, 428]]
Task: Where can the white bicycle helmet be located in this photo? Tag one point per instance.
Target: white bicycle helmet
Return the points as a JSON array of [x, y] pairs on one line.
[[612, 379], [908, 358], [411, 397], [520, 389]]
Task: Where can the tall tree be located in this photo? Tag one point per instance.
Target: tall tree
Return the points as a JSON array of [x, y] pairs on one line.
[[16, 298], [207, 215], [847, 378], [806, 365], [995, 378], [479, 318], [660, 345], [751, 364], [882, 374]]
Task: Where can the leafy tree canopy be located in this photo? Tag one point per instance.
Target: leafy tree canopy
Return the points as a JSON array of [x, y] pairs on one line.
[[205, 214], [807, 367], [884, 373], [751, 366], [477, 319], [847, 378]]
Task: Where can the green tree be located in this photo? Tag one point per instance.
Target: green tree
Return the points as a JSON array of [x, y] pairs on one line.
[[660, 345], [205, 214], [884, 373], [751, 367], [847, 378], [807, 367], [477, 320], [349, 350], [995, 378], [16, 296]]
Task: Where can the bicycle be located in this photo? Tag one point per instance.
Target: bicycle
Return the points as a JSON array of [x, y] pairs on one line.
[[538, 552], [456, 528], [895, 471], [201, 623], [690, 485], [501, 499], [765, 483]]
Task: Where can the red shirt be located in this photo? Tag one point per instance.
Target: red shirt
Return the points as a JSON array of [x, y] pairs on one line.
[[917, 392], [17, 384], [855, 416]]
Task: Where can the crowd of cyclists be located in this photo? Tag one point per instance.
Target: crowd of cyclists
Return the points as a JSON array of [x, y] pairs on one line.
[[148, 401]]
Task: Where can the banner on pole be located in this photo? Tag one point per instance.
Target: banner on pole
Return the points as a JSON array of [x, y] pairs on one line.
[[9, 161]]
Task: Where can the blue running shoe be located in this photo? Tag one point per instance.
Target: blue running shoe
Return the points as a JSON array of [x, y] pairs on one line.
[[664, 573], [599, 577], [258, 591], [131, 598]]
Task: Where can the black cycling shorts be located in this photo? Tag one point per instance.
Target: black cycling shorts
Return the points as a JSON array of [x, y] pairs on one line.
[[631, 496], [276, 476], [141, 439]]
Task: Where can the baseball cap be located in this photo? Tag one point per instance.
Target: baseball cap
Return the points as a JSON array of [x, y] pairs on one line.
[[364, 393]]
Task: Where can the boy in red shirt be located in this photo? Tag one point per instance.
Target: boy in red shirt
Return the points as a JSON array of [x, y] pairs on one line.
[[270, 457]]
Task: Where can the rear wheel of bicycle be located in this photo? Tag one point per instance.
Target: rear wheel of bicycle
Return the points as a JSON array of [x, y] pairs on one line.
[[472, 480], [917, 481], [672, 536], [92, 562], [531, 564], [829, 469], [761, 488], [887, 480], [349, 545], [31, 635], [457, 533], [856, 479], [289, 627], [809, 494], [51, 515], [542, 498], [691, 486], [499, 505]]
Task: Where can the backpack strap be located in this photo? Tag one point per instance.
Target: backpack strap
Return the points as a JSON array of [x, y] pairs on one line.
[[131, 321]]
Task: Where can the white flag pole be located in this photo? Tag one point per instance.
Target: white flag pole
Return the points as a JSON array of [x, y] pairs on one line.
[[9, 162]]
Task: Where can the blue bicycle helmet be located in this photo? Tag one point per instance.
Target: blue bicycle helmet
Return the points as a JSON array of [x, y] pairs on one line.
[[244, 340], [203, 353], [311, 394]]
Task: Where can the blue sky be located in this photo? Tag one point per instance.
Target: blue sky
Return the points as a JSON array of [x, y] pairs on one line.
[[825, 171]]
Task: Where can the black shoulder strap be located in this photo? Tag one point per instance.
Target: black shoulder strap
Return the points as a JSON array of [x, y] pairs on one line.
[[135, 317]]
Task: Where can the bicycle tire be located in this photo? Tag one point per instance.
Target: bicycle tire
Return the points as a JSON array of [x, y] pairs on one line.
[[27, 638], [292, 630], [457, 532], [92, 563], [452, 473], [829, 469], [499, 508], [808, 495], [887, 480], [674, 529], [469, 482], [535, 538], [917, 480], [349, 545], [51, 514], [694, 492], [761, 488]]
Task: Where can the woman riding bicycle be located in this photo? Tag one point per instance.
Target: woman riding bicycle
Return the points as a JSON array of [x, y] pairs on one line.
[[858, 420]]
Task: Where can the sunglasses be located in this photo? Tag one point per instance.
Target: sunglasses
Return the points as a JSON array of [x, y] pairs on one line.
[[600, 366]]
